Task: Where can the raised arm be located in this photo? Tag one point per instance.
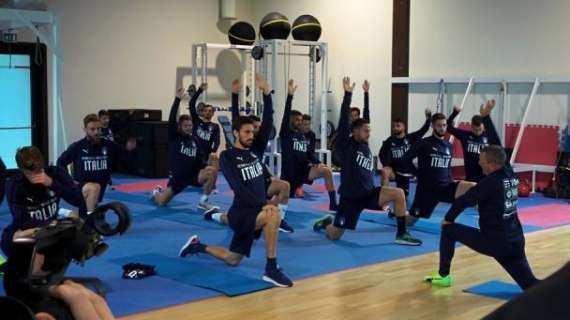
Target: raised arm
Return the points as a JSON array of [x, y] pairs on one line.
[[291, 88], [216, 136], [236, 88], [366, 112], [343, 133], [485, 112], [172, 117], [192, 103], [458, 133], [417, 135]]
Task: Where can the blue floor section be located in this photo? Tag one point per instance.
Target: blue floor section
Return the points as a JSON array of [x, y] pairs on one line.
[[496, 289], [158, 233]]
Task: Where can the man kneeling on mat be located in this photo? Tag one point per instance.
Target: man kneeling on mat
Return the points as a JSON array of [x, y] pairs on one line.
[[249, 214], [357, 190], [188, 161], [501, 235]]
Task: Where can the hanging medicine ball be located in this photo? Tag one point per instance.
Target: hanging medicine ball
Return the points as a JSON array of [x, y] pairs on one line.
[[274, 26], [306, 28], [242, 33]]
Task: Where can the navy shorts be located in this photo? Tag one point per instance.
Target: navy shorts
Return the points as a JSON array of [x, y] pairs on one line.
[[428, 196], [178, 184], [349, 210], [297, 179], [242, 222]]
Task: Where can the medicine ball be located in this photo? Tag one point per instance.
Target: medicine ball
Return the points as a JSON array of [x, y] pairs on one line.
[[242, 33], [524, 189], [306, 28], [274, 26]]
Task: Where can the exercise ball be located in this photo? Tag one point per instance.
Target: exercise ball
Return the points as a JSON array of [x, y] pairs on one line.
[[274, 26], [242, 33], [306, 28]]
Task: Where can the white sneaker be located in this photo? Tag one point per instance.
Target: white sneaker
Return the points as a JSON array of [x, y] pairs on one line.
[[157, 189], [206, 206]]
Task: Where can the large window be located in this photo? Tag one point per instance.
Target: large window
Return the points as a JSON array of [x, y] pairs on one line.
[[15, 105]]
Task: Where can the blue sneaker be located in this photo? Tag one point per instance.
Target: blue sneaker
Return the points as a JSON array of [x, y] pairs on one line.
[[285, 227], [192, 246], [277, 278]]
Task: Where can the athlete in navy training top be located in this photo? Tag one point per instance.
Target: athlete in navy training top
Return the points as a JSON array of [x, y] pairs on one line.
[[106, 132], [297, 168], [393, 150], [500, 234], [186, 159], [92, 158], [276, 188], [33, 198], [250, 214], [435, 181], [202, 126], [357, 190], [482, 133]]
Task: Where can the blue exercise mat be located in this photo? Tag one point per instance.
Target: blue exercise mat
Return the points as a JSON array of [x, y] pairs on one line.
[[221, 279], [496, 289]]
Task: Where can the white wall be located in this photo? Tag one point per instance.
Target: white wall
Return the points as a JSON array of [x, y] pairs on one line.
[[135, 53], [359, 35], [465, 38]]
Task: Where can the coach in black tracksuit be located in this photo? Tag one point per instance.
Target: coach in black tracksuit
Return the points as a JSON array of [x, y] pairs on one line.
[[393, 150], [482, 133], [500, 235], [202, 126]]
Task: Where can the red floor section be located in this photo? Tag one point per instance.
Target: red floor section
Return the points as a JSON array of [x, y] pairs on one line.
[[143, 186], [546, 215]]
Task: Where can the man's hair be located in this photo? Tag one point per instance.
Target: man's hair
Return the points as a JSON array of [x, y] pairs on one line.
[[254, 118], [359, 123], [295, 113], [102, 113], [204, 106], [399, 120], [307, 117], [29, 158], [477, 120], [355, 109], [184, 117], [495, 154], [438, 116], [90, 118], [242, 121]]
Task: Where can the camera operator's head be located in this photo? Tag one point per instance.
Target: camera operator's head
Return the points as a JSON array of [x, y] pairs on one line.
[[30, 161]]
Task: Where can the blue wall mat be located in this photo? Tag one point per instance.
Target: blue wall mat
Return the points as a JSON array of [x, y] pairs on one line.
[[496, 289]]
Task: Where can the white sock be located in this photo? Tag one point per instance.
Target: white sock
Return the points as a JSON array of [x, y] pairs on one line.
[[89, 212], [217, 217], [204, 198], [282, 209]]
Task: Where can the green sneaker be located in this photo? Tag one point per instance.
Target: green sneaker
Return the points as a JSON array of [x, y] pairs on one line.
[[408, 240], [321, 223], [435, 279]]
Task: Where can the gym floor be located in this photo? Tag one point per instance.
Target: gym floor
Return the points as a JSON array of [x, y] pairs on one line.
[[362, 276]]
